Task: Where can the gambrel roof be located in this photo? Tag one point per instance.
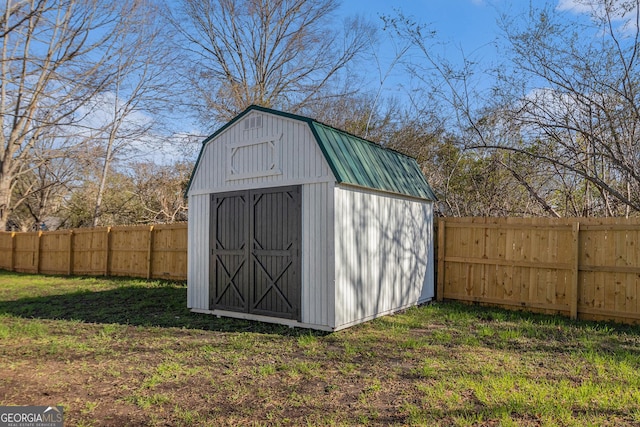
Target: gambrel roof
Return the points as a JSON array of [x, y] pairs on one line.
[[353, 160]]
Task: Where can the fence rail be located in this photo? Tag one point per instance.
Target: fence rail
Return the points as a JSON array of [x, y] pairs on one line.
[[584, 268], [152, 252]]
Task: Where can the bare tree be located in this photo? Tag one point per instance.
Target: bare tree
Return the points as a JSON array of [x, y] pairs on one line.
[[47, 178], [54, 57], [144, 193], [450, 112], [160, 190], [566, 98], [274, 53], [363, 115], [370, 112], [572, 100], [140, 89]]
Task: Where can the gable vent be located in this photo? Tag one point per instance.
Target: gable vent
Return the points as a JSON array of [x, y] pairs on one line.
[[253, 122]]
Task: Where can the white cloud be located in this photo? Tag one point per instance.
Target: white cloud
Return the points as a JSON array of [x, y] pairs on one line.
[[137, 139], [621, 12], [104, 108], [575, 6]]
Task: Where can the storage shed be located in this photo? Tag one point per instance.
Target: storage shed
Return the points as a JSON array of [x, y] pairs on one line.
[[294, 222]]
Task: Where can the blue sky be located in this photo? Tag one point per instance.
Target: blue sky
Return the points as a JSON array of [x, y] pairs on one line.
[[463, 28], [470, 22], [467, 25]]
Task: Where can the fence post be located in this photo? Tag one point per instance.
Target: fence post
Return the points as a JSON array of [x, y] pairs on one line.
[[38, 252], [150, 253], [13, 251], [70, 254], [573, 312], [441, 254], [108, 255]]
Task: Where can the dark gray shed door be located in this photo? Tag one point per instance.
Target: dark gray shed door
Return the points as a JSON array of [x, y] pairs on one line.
[[255, 255]]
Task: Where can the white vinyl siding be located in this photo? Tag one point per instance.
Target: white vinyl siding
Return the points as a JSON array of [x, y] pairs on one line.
[[383, 252], [317, 255], [240, 159], [198, 252]]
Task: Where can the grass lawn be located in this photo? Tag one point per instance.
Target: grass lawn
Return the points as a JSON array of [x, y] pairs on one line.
[[117, 352]]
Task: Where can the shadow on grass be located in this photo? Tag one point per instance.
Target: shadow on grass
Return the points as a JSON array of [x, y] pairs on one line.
[[162, 305]]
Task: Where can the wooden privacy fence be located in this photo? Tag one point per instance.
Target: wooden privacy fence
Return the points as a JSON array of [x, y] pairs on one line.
[[584, 268], [157, 251]]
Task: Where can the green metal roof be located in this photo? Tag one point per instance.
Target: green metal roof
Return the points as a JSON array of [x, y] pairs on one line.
[[363, 163], [356, 161]]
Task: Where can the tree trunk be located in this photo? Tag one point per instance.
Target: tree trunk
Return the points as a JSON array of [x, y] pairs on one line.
[[103, 180], [5, 200]]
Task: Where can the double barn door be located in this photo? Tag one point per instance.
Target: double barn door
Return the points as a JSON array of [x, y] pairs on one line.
[[255, 252]]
